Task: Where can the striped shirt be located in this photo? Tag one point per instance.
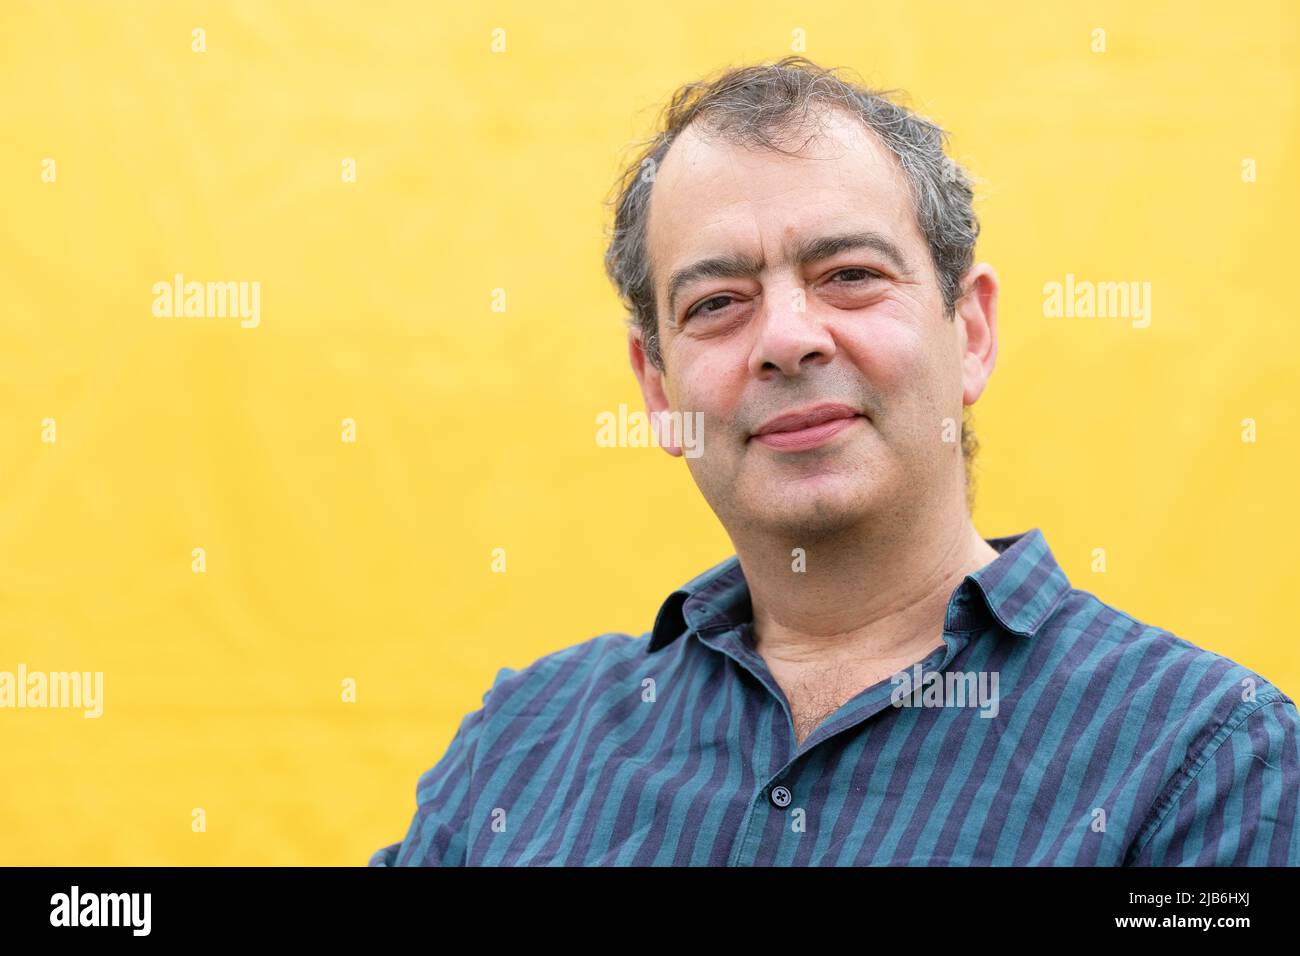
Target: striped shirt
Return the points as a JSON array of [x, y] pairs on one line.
[[1050, 729]]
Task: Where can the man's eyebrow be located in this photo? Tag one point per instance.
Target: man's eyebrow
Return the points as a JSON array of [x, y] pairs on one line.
[[738, 265], [823, 247], [733, 266]]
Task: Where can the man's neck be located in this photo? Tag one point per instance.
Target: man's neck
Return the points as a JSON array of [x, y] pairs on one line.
[[859, 600]]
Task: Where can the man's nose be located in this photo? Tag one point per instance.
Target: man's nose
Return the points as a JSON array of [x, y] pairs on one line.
[[791, 334]]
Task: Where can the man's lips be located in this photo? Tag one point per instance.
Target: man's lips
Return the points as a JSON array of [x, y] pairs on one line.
[[806, 428]]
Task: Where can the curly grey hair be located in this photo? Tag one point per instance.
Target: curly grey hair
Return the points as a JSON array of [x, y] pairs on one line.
[[763, 105]]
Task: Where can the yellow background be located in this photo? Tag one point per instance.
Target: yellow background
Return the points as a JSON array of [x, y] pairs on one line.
[[475, 428]]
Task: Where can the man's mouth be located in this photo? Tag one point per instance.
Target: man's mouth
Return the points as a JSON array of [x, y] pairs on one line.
[[806, 428]]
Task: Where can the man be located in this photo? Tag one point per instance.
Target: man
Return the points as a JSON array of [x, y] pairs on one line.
[[868, 680]]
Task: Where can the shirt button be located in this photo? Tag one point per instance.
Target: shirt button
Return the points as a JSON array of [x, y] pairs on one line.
[[781, 797]]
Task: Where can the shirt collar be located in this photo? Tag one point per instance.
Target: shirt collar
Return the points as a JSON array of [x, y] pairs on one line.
[[1019, 589]]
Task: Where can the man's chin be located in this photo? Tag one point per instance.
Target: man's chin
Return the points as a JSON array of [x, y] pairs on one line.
[[816, 515]]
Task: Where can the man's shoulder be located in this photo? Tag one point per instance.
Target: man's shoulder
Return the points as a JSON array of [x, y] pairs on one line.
[[1113, 648], [608, 656]]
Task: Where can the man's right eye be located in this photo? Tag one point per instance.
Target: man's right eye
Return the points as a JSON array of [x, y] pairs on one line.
[[701, 307]]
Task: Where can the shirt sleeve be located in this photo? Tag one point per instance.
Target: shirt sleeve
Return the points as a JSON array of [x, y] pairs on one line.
[[438, 832], [1239, 807]]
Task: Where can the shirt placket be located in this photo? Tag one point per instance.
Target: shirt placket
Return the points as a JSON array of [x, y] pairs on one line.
[[777, 792]]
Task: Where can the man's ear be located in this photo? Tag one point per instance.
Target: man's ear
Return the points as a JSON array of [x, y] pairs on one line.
[[977, 312], [651, 381]]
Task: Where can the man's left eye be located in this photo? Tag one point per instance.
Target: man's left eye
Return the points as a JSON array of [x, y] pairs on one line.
[[859, 273]]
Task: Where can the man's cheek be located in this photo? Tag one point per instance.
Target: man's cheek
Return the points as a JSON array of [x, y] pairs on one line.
[[898, 360]]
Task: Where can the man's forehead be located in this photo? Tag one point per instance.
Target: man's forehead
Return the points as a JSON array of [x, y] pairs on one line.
[[707, 188], [824, 131]]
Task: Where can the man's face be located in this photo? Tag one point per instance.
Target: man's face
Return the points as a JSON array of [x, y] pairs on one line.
[[863, 327]]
